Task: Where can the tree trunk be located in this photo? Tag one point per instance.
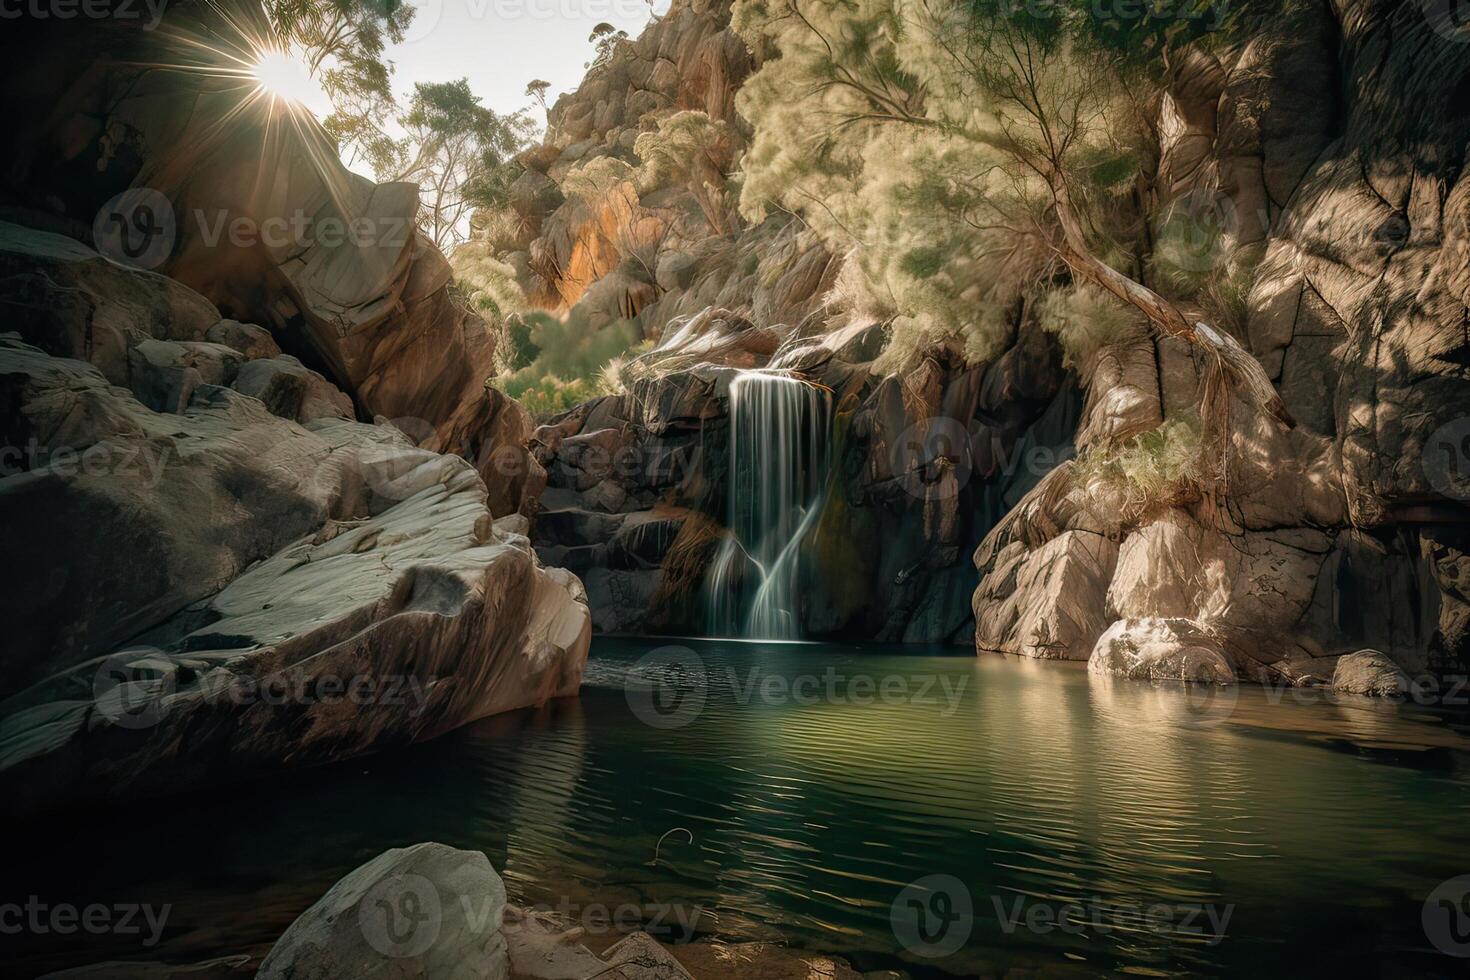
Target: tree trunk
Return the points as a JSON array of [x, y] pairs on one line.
[[1249, 376]]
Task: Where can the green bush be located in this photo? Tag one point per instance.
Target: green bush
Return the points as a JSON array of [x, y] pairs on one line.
[[564, 362]]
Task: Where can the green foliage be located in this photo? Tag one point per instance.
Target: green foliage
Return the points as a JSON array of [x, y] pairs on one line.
[[343, 42], [1140, 35], [1163, 467], [1086, 320], [459, 152], [594, 181], [895, 128], [489, 284], [570, 363]]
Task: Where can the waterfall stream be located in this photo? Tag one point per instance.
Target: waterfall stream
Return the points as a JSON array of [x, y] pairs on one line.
[[778, 465]]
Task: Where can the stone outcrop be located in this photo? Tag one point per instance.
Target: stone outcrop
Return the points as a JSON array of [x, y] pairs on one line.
[[415, 913], [1350, 222], [1369, 672], [219, 590], [329, 263]]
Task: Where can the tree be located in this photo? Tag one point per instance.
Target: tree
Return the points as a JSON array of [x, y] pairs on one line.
[[693, 149], [537, 88], [343, 43], [605, 38], [460, 153], [961, 150]]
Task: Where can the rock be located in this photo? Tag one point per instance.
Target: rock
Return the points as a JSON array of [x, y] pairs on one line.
[[608, 496], [1049, 603], [252, 341], [224, 968], [64, 298], [291, 390], [1369, 672], [370, 562], [424, 912], [619, 600], [165, 373], [640, 957], [1161, 649], [675, 271]]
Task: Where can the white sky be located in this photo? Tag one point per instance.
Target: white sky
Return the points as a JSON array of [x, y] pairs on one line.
[[500, 45]]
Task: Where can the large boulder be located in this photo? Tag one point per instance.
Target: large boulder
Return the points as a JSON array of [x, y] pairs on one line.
[[1161, 649], [221, 592], [1369, 672], [426, 912], [1048, 603]]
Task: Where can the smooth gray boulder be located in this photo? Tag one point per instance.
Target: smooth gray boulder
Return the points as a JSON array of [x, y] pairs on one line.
[[426, 912], [1369, 672]]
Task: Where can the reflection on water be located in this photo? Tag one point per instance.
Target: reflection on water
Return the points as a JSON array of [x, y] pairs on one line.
[[1277, 835]]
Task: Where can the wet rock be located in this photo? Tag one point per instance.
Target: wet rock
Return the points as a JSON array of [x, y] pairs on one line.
[[1369, 672], [1161, 649], [416, 913]]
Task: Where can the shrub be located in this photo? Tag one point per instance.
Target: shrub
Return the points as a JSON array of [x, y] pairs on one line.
[[1087, 319], [570, 363], [1163, 467]]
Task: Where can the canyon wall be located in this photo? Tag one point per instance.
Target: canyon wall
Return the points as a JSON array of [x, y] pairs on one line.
[[1330, 145], [244, 481]]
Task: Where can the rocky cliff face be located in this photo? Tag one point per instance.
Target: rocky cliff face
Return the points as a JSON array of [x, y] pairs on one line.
[[226, 570], [1337, 144], [1332, 147], [255, 213]]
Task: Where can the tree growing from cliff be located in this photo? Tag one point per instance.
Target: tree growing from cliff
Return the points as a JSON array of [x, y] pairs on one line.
[[960, 151], [692, 149], [536, 89], [605, 39]]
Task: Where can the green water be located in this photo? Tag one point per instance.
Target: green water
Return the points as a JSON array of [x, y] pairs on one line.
[[1171, 833]]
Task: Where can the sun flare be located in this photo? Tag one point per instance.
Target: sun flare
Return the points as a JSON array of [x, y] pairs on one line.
[[284, 77]]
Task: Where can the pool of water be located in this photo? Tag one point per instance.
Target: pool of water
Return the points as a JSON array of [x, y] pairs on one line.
[[941, 814]]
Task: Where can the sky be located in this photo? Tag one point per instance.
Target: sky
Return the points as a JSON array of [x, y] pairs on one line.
[[500, 45]]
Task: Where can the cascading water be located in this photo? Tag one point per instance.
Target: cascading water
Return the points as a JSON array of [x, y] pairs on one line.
[[778, 465]]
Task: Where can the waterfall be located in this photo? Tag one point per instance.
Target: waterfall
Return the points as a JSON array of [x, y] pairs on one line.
[[778, 464]]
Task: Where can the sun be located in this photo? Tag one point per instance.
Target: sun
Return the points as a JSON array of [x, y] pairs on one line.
[[283, 77]]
